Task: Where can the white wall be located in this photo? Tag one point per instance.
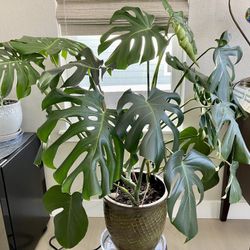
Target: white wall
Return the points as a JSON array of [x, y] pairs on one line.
[[31, 18], [208, 19]]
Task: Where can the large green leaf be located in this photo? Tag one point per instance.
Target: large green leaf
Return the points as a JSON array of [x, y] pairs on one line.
[[233, 186], [47, 46], [183, 32], [17, 59], [151, 113], [220, 81], [180, 178], [71, 223], [190, 137], [95, 148], [223, 114], [89, 65], [17, 69], [138, 26]]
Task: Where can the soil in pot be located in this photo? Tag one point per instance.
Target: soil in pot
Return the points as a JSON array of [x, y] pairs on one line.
[[153, 192], [137, 227], [8, 102]]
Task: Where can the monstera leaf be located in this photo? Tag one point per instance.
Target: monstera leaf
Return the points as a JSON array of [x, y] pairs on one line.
[[17, 69], [98, 146], [180, 178], [191, 137], [71, 223], [47, 46], [233, 188], [220, 81], [183, 32], [231, 139], [138, 26], [17, 59], [151, 113], [89, 65]]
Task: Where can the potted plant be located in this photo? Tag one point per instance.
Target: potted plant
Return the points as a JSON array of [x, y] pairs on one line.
[[126, 146], [10, 110]]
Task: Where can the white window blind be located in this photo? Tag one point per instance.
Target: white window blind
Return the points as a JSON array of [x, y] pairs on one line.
[[76, 17]]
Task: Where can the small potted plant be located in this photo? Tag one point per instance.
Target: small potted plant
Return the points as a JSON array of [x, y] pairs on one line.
[[10, 110], [126, 146]]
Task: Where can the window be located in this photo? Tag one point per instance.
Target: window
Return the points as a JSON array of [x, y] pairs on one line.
[[135, 77]]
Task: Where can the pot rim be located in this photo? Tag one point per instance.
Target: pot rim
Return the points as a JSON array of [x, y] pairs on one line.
[[109, 199]]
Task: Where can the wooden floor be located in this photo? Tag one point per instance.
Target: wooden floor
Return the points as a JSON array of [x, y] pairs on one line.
[[213, 235]]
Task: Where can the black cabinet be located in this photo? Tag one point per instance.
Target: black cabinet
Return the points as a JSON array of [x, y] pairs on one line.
[[22, 186]]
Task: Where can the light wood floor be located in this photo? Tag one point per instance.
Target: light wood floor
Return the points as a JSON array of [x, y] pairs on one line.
[[213, 235]]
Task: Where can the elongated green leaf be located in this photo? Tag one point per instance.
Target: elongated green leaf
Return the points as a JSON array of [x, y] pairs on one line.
[[180, 178], [224, 114], [47, 46], [233, 186], [90, 66], [183, 32], [138, 26], [95, 148], [71, 223], [220, 81], [14, 66], [151, 113]]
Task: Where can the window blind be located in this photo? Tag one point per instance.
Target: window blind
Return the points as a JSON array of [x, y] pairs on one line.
[[91, 17]]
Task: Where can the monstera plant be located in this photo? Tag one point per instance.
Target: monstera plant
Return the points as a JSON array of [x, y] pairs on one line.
[[112, 142]]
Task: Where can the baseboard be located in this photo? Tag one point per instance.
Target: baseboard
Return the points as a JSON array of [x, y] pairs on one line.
[[207, 209]]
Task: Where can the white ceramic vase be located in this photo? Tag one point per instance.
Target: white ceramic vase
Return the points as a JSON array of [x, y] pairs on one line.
[[10, 117]]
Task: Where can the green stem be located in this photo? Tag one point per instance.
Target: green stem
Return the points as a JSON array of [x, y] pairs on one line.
[[128, 182], [148, 78], [138, 186], [156, 72], [187, 70], [188, 101], [130, 196], [155, 77], [182, 138]]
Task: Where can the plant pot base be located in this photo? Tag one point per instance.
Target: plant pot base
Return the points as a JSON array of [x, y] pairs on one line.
[[107, 244]]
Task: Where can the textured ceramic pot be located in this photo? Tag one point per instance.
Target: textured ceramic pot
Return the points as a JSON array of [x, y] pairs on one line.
[[133, 228], [10, 117]]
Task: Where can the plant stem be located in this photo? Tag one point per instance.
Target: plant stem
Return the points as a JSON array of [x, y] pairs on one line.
[[138, 186], [191, 109], [148, 78], [187, 70], [188, 101], [128, 182], [182, 138], [130, 196], [155, 77], [236, 23]]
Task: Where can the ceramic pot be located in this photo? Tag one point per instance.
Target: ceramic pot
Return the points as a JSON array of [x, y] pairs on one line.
[[10, 117], [136, 227]]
